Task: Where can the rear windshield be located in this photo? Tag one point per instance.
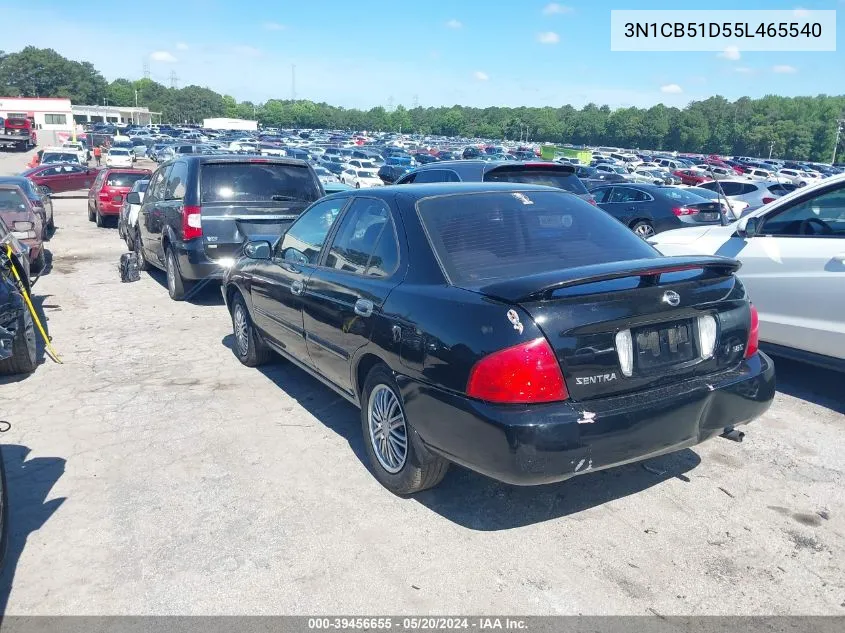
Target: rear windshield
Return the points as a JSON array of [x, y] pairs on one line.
[[118, 179], [681, 195], [257, 182], [487, 236], [550, 177], [60, 158]]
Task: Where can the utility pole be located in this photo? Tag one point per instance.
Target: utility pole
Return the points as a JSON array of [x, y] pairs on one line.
[[293, 82], [174, 80], [136, 98], [771, 148], [146, 69], [839, 124]]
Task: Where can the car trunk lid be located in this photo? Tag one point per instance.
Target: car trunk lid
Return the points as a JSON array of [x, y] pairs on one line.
[[624, 326]]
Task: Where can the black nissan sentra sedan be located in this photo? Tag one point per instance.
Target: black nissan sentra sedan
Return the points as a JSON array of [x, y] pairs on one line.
[[513, 329]]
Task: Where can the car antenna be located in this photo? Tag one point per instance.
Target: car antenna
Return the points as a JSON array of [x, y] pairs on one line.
[[723, 217]]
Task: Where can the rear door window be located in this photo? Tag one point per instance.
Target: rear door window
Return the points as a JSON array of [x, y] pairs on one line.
[[479, 237], [177, 181], [549, 176], [365, 242], [601, 195], [257, 182]]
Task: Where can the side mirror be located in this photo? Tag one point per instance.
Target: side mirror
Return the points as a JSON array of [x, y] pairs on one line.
[[133, 197], [748, 227], [258, 250]]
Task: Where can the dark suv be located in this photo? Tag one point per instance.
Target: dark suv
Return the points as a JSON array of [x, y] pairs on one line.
[[199, 210], [528, 173]]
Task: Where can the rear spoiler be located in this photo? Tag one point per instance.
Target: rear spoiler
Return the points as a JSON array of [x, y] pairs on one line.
[[541, 285]]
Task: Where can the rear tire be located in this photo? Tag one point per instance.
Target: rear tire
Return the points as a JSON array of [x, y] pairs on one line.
[[24, 351], [90, 214], [176, 286], [249, 348], [643, 229], [383, 414], [100, 219]]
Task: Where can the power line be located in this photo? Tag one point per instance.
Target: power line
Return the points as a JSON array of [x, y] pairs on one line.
[[146, 69], [174, 80]]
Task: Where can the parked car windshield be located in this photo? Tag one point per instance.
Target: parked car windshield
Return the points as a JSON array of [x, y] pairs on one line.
[[12, 200], [498, 235], [257, 182]]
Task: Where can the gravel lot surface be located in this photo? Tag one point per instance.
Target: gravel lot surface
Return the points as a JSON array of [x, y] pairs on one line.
[[151, 473]]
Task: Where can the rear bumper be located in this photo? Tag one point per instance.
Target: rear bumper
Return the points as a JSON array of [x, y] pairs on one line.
[[195, 265], [110, 208], [527, 445]]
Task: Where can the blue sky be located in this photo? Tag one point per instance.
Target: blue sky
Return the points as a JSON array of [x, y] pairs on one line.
[[432, 52]]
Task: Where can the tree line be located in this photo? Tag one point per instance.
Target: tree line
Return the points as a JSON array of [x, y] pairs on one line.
[[801, 128]]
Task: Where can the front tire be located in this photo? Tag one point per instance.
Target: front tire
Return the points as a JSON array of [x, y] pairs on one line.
[[45, 190], [389, 438], [24, 352], [40, 262], [176, 286], [248, 347]]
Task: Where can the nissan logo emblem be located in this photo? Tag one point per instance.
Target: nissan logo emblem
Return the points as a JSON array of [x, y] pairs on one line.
[[671, 297]]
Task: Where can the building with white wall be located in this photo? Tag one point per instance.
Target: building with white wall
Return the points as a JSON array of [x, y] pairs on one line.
[[47, 113], [114, 114]]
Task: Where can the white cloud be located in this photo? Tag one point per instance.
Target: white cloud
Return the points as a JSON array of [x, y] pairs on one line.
[[553, 8], [246, 51], [784, 69], [801, 12], [731, 52], [480, 75], [274, 26], [181, 46], [163, 56], [454, 24], [743, 69], [671, 89], [549, 37]]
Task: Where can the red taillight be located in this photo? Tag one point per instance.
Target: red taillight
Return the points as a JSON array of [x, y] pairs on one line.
[[105, 195], [592, 201], [753, 334], [258, 160], [191, 222], [679, 211], [767, 200], [525, 373]]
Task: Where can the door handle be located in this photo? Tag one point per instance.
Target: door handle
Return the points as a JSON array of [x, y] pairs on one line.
[[363, 307], [297, 287]]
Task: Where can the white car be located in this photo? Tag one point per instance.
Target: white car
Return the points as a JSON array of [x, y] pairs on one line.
[[127, 221], [358, 163], [119, 157], [759, 174], [793, 266], [797, 178], [79, 148], [733, 207], [359, 178], [325, 175]]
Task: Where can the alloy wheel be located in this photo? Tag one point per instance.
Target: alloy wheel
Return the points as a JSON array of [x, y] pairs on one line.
[[388, 431], [241, 330]]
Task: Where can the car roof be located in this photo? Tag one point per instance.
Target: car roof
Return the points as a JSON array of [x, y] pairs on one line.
[[428, 190]]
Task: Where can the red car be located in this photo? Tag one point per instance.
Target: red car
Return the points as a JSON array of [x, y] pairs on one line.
[[108, 191], [691, 177], [20, 217], [61, 177]]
